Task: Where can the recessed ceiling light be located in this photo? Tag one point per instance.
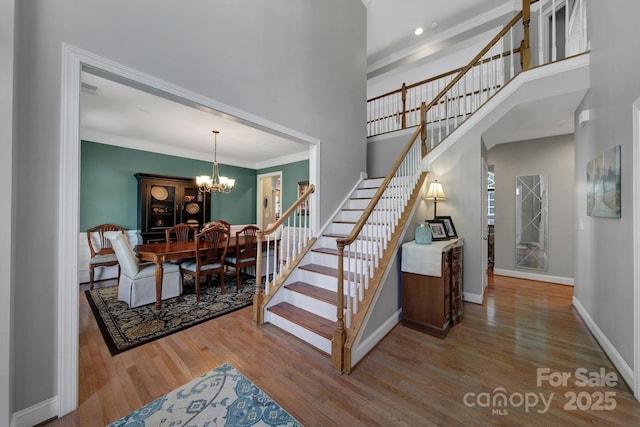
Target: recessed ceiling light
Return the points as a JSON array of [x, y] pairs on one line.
[[418, 31], [434, 25]]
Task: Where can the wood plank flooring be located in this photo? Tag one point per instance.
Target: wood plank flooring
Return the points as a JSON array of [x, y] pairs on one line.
[[409, 379]]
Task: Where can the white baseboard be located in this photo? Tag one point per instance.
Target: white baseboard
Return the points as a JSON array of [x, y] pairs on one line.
[[372, 340], [36, 414], [617, 360], [474, 298], [534, 276]]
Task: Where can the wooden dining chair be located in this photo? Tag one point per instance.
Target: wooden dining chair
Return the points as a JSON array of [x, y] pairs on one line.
[[180, 232], [102, 253], [211, 249], [245, 251]]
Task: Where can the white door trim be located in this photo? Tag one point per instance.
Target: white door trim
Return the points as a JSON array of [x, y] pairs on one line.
[[73, 62], [636, 248]]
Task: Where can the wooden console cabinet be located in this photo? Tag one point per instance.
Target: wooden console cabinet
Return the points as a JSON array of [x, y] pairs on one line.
[[433, 303], [164, 201]]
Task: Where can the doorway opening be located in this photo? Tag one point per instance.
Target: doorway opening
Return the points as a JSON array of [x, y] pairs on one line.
[[269, 201], [74, 62]]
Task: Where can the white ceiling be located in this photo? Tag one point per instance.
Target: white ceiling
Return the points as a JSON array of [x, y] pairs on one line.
[[391, 23], [121, 115]]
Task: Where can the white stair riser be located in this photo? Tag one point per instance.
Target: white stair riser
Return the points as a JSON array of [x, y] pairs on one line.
[[304, 334], [360, 245], [357, 203], [330, 260], [352, 216], [340, 228], [313, 305], [372, 182], [317, 279], [322, 280], [365, 192]]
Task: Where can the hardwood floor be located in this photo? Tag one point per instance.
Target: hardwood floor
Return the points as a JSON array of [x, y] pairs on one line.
[[409, 379]]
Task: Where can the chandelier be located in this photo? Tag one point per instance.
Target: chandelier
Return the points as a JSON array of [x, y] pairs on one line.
[[215, 183]]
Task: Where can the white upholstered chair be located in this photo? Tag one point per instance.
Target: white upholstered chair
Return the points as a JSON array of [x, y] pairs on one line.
[[137, 284]]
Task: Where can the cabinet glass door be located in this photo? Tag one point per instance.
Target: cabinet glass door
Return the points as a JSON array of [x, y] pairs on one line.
[[162, 202], [193, 207]]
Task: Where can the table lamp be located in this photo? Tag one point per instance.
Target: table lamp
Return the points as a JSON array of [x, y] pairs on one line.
[[435, 193]]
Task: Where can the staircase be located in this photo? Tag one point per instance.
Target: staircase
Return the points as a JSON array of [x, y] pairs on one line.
[[307, 304], [321, 288]]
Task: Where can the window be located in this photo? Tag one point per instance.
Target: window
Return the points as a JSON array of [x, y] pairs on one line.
[[491, 205]]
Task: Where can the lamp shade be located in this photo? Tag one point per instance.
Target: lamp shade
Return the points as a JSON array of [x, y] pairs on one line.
[[435, 191]]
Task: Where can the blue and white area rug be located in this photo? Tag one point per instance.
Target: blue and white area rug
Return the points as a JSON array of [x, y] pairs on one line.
[[222, 397]]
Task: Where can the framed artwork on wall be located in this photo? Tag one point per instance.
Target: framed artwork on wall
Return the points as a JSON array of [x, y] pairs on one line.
[[438, 229], [448, 224], [603, 184]]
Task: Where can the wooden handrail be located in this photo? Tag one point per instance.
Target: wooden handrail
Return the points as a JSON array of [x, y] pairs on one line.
[[372, 204], [259, 298], [477, 58]]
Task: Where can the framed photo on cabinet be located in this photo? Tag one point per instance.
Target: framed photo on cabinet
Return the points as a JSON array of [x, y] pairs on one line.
[[438, 229], [448, 225]]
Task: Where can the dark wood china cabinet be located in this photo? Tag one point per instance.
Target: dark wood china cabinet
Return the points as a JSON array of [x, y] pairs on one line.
[[164, 201]]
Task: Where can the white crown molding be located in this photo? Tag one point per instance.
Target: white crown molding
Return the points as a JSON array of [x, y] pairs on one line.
[[171, 150], [431, 44], [154, 147], [290, 158]]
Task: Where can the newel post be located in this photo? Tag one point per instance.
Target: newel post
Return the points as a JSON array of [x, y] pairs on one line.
[[404, 106], [339, 335], [423, 130], [525, 48], [258, 297]]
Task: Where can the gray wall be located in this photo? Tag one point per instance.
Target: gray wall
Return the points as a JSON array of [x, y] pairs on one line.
[[301, 65], [459, 169], [7, 215], [553, 157], [604, 249], [383, 151]]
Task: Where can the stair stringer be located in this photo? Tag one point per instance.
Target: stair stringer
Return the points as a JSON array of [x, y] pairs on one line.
[[357, 346]]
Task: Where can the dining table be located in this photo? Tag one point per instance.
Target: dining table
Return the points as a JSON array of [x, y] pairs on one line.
[[161, 252]]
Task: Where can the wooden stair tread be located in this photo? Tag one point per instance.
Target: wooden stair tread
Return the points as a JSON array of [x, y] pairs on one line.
[[331, 251], [329, 271], [313, 291], [344, 236], [305, 319]]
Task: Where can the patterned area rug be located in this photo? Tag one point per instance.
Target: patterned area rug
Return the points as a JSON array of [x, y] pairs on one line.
[[124, 328], [222, 397]]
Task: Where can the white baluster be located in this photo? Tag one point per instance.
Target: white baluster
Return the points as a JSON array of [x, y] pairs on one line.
[[289, 241], [540, 33], [554, 43], [348, 287], [511, 55]]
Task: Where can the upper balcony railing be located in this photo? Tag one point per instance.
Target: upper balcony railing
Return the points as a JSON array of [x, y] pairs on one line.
[[551, 29]]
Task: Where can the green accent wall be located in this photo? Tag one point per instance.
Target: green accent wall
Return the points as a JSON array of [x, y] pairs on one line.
[[292, 173], [109, 191]]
